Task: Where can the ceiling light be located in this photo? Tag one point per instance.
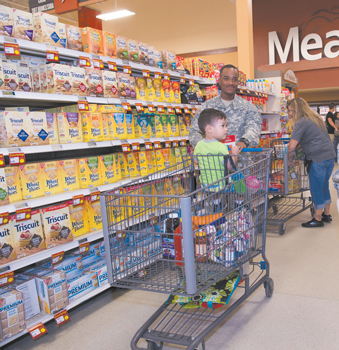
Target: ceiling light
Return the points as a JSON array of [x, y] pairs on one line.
[[115, 15]]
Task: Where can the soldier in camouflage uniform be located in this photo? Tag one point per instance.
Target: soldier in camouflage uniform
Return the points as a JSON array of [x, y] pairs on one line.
[[243, 118]]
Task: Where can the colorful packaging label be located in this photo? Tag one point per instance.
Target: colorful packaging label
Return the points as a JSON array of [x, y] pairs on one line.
[[143, 126], [94, 214], [90, 172], [70, 127], [22, 25], [52, 128], [69, 174], [52, 177], [119, 123], [13, 184], [37, 124], [79, 219], [109, 44], [108, 169], [92, 40], [32, 182]]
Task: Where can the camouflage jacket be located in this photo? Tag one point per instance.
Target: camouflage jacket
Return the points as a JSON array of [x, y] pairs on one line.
[[243, 120]]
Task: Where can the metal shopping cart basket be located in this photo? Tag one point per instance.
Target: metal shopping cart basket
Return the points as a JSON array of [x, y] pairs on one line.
[[289, 185], [170, 232]]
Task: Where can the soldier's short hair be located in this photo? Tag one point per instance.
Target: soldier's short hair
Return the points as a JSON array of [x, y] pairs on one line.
[[228, 66], [208, 117]]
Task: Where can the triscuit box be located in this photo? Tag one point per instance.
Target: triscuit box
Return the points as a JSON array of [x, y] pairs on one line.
[[109, 44], [12, 313], [31, 181], [22, 25], [24, 79], [80, 85], [151, 56], [90, 172], [10, 73], [2, 82], [81, 285], [52, 177], [14, 129], [43, 79], [36, 62], [122, 47], [110, 84], [52, 128], [119, 122], [4, 198], [94, 214], [28, 236], [74, 37], [6, 20], [79, 218], [95, 82], [133, 54], [60, 79], [63, 34], [37, 125], [13, 184], [71, 265], [51, 287], [46, 29], [70, 127], [7, 251], [124, 85], [143, 53], [69, 174], [108, 169], [57, 225], [92, 40]]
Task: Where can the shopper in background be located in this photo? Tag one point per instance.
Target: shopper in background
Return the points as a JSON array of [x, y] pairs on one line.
[[310, 132], [244, 120], [330, 121], [336, 135]]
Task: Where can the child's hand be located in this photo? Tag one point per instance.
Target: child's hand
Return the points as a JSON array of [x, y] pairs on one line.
[[235, 150]]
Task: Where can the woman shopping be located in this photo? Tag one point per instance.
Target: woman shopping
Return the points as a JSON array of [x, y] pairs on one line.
[[311, 133]]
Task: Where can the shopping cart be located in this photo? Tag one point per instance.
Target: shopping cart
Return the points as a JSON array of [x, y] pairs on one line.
[[288, 177], [171, 232]]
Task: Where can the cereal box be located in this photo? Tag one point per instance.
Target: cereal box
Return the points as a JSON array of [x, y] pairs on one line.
[[94, 214], [52, 178], [6, 21], [90, 172], [22, 25], [10, 73], [158, 59], [157, 87], [27, 234], [92, 40], [109, 44], [130, 126], [63, 34], [51, 287], [12, 313], [46, 29], [122, 47], [74, 37], [133, 164], [52, 128], [174, 126], [57, 225], [92, 124], [106, 112], [151, 60], [7, 251], [119, 122], [70, 127], [80, 85], [143, 52], [133, 50], [31, 181], [82, 284], [184, 121], [110, 84], [141, 87], [13, 183], [60, 79], [151, 123], [166, 90], [143, 126], [95, 82], [162, 125], [37, 126], [69, 174]]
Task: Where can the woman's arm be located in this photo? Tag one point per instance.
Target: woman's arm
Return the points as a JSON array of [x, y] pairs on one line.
[[290, 150]]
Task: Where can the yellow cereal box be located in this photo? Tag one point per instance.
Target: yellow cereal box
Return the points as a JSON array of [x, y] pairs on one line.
[[106, 112], [13, 183], [160, 159], [143, 161], [135, 123], [144, 129], [4, 199], [70, 127], [109, 44], [37, 125], [7, 250], [52, 177], [119, 122], [174, 126], [157, 87], [94, 214], [31, 181], [22, 25], [69, 174], [134, 202], [184, 121], [57, 225], [177, 185], [123, 166], [119, 211], [150, 89], [6, 20], [52, 128], [166, 153], [108, 169], [132, 164], [142, 91], [27, 234], [79, 219], [178, 156], [173, 158], [117, 167], [15, 129], [151, 123], [92, 40], [90, 172]]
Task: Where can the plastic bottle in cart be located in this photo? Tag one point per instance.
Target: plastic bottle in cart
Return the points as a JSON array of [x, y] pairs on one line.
[[229, 253]]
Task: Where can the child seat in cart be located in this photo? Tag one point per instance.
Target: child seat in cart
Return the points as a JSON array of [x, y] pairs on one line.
[[200, 243]]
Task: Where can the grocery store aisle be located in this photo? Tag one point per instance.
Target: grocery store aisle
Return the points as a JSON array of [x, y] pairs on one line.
[[302, 314]]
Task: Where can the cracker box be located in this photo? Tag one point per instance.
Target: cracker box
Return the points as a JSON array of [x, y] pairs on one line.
[[117, 167], [157, 87], [108, 169], [74, 37], [22, 25], [36, 62], [151, 123], [70, 127], [12, 313], [158, 59], [37, 125], [106, 112], [151, 61], [52, 128], [100, 268], [82, 284], [7, 250], [130, 126], [95, 82], [71, 265], [10, 73], [24, 78], [162, 125], [57, 225], [124, 85], [46, 29], [184, 121], [69, 174], [60, 79], [122, 47], [133, 164], [63, 34], [110, 84], [6, 21], [173, 124], [31, 181], [94, 214], [133, 87], [150, 89], [119, 122], [13, 184], [4, 198], [80, 85], [143, 163], [90, 172], [141, 87], [133, 54], [123, 165], [92, 124], [109, 44], [79, 219], [143, 53], [52, 177], [176, 92], [166, 89], [92, 40], [143, 126], [52, 288], [2, 83], [28, 235], [15, 129], [43, 79]]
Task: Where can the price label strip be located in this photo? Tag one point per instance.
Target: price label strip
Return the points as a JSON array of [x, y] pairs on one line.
[[151, 108], [23, 214], [95, 196], [2, 160], [61, 317], [17, 158], [6, 278], [52, 56], [145, 73], [186, 110], [157, 75], [191, 82], [37, 331], [182, 80], [157, 145], [83, 106], [83, 247], [161, 109], [148, 145], [84, 61], [98, 64], [182, 143], [136, 146], [57, 257], [78, 200], [112, 66], [178, 110], [167, 76], [127, 107], [175, 143], [12, 49], [127, 69], [126, 147], [139, 107], [168, 144], [170, 110]]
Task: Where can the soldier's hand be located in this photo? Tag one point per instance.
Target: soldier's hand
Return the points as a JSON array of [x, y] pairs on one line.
[[241, 145]]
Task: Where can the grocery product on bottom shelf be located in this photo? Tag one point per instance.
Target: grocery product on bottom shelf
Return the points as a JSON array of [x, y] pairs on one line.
[[71, 265], [7, 250], [82, 284]]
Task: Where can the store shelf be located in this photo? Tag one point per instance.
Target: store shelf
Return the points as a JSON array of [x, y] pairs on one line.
[[270, 132], [269, 113]]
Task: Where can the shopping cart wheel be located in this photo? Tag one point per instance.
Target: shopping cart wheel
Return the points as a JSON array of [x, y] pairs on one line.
[[269, 287], [154, 346], [282, 228]]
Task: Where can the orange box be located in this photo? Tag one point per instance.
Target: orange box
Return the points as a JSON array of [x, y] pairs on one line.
[[92, 40], [109, 44]]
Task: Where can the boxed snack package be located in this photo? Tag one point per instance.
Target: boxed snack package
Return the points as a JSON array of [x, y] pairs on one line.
[[36, 61], [108, 169], [92, 124], [92, 40], [157, 87], [150, 89], [124, 88], [37, 125], [109, 44], [143, 163], [143, 52], [183, 121], [31, 181], [130, 126], [74, 37], [12, 313], [110, 84], [22, 25], [95, 82], [151, 60], [106, 112], [143, 126], [52, 128], [119, 122], [10, 74], [171, 61], [100, 268], [166, 90], [6, 20], [94, 213], [80, 85], [117, 167], [69, 174], [27, 234], [158, 59], [15, 129], [57, 225], [51, 287], [46, 29], [133, 50], [59, 79], [63, 34], [141, 87], [162, 125], [82, 284], [4, 198], [174, 126], [52, 178], [123, 165], [71, 265], [13, 184], [133, 164], [7, 250], [151, 123], [122, 47], [176, 92], [90, 172], [24, 79], [79, 218], [70, 127], [43, 79], [133, 88]]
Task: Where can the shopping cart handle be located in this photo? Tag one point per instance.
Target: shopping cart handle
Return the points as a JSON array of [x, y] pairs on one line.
[[252, 149]]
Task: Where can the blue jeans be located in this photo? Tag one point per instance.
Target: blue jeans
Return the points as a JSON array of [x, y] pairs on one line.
[[319, 176]]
